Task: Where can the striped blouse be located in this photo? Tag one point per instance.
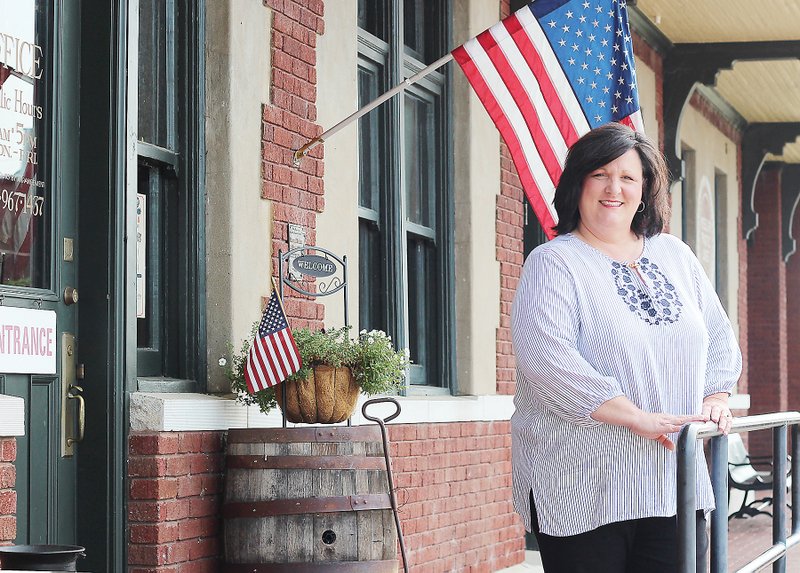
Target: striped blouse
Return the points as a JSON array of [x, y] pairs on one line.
[[586, 329]]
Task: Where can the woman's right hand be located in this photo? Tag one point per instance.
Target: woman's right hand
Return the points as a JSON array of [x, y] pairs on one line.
[[656, 426], [651, 425]]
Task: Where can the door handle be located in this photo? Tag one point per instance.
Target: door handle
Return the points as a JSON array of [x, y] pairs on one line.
[[70, 397], [74, 394]]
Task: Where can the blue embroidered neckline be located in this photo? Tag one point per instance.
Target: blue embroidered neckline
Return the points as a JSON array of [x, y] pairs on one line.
[[647, 292]]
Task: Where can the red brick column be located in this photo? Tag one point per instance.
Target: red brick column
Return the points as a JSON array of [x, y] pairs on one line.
[[793, 324], [8, 496], [288, 123], [453, 486], [766, 277], [744, 288], [175, 502], [655, 62]]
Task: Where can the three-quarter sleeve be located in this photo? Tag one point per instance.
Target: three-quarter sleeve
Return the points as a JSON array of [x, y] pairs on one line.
[[724, 364], [545, 324]]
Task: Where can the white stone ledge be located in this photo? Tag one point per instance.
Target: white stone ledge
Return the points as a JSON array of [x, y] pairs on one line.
[[165, 412], [12, 416], [183, 412]]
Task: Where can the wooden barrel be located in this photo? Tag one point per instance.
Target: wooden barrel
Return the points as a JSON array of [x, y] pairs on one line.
[[307, 500]]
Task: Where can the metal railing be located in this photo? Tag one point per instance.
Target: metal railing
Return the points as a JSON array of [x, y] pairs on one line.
[[687, 476]]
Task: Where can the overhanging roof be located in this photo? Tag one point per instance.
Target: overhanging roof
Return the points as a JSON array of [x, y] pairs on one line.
[[761, 91]]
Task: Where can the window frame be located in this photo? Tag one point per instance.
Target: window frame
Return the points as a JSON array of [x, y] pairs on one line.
[[178, 362], [399, 63]]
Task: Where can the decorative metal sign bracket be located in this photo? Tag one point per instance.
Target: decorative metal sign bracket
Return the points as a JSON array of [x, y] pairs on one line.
[[306, 261]]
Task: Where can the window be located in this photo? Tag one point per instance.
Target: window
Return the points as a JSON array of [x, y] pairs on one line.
[[169, 245], [405, 200]]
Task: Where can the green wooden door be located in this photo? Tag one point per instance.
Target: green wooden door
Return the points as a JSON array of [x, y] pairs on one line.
[[39, 249]]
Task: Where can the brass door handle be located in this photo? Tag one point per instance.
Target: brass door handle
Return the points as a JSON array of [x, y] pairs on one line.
[[74, 394]]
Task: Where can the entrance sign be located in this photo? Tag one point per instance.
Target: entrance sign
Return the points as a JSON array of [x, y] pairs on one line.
[[27, 341]]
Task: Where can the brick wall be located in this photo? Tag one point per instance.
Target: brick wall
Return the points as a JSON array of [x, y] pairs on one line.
[[8, 496], [509, 249], [453, 486], [744, 287], [793, 325], [766, 275], [454, 493], [175, 497], [655, 62], [288, 123]]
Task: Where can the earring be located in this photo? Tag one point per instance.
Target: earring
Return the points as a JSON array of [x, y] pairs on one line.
[[642, 206]]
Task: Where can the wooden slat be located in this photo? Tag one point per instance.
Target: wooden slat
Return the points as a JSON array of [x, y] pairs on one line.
[[327, 434], [295, 506], [306, 462], [388, 566]]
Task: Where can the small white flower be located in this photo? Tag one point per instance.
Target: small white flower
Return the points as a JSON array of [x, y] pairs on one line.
[[363, 332], [222, 362]]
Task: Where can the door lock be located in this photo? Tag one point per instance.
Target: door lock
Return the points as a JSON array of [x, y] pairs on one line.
[[70, 295]]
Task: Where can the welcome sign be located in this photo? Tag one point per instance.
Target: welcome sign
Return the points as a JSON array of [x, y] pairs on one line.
[[27, 341]]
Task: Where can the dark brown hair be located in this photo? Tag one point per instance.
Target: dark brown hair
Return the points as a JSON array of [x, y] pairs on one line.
[[599, 147]]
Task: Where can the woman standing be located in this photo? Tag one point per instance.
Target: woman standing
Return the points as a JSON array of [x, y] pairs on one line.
[[620, 340]]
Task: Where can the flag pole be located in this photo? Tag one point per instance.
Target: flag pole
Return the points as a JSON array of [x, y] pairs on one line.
[[278, 296], [300, 153]]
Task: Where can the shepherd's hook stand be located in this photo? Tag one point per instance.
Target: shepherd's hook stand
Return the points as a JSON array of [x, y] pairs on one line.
[[392, 498]]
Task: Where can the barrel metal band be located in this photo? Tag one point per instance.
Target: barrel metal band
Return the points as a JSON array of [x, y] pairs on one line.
[[301, 505], [389, 566], [306, 462], [332, 434]]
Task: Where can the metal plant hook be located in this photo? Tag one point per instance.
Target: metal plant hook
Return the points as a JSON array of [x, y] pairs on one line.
[[393, 500]]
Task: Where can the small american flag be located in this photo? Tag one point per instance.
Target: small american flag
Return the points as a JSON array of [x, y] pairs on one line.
[[547, 74], [273, 355]]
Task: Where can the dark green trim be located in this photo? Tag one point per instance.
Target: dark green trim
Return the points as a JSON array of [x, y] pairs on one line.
[[688, 64], [790, 197], [447, 353], [758, 140], [102, 483], [199, 165], [161, 385], [160, 154], [721, 105], [649, 32]]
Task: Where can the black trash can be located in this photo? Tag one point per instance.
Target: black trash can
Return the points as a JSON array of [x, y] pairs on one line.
[[41, 557]]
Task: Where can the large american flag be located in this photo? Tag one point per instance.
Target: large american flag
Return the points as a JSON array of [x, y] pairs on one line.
[[273, 355], [547, 74]]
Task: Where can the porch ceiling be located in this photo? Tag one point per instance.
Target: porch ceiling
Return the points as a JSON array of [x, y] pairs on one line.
[[760, 91]]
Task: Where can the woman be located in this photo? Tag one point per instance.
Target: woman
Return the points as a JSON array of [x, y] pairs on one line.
[[620, 340]]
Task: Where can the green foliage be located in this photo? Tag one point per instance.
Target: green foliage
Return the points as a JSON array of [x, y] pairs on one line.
[[377, 367]]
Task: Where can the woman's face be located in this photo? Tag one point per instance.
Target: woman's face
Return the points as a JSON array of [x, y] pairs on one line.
[[611, 194]]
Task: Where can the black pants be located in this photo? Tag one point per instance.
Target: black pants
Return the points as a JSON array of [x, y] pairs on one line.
[[637, 546]]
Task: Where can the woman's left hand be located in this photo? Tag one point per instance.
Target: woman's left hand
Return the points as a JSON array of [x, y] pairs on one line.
[[715, 408]]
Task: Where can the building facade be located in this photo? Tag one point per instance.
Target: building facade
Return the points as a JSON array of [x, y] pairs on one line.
[[151, 145]]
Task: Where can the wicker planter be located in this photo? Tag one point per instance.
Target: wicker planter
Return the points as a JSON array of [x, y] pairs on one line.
[[327, 396]]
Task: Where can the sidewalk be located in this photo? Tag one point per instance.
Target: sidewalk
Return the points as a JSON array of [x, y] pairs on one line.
[[749, 537], [532, 564]]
